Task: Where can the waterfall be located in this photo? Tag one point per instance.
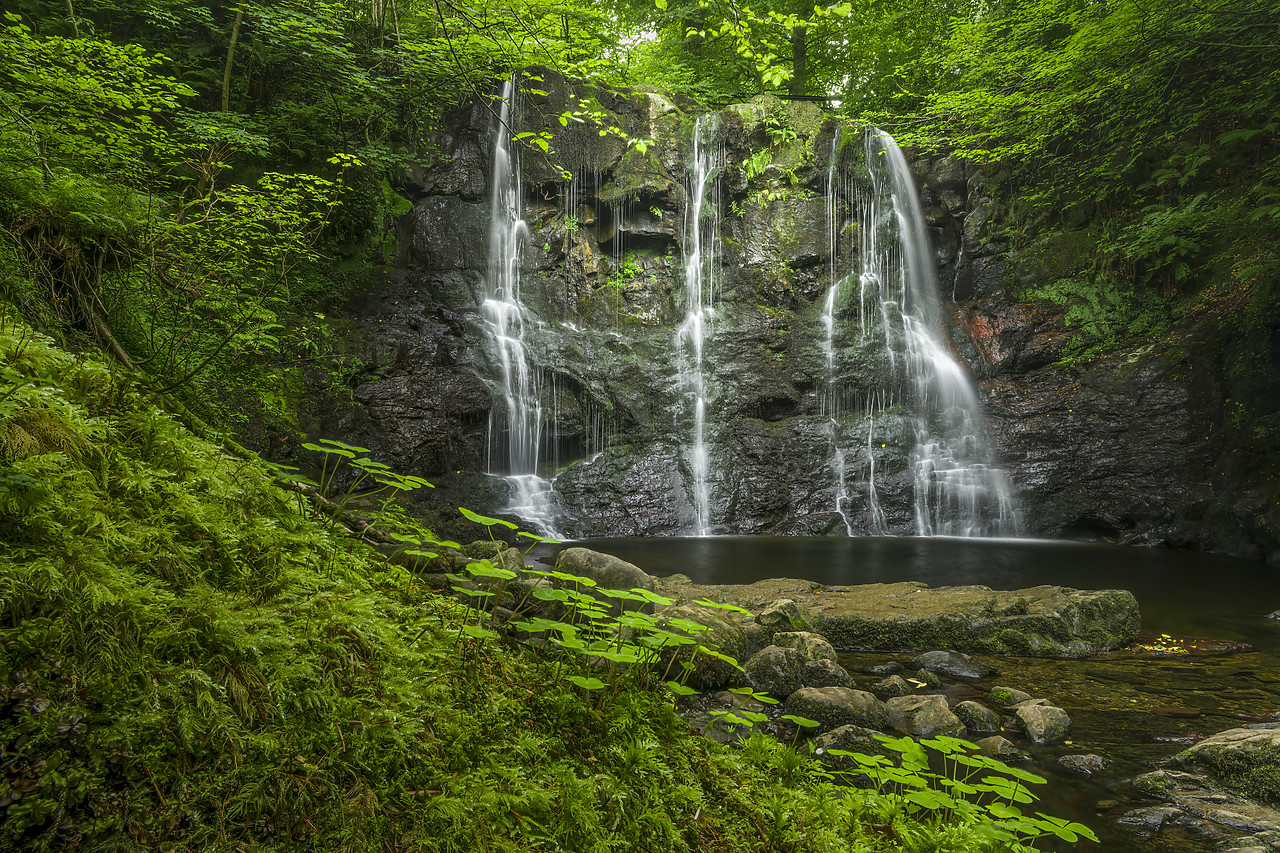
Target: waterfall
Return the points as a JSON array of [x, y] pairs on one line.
[[959, 491], [832, 399], [510, 323], [700, 267]]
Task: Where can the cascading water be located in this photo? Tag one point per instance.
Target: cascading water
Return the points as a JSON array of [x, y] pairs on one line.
[[701, 258], [959, 491], [835, 404], [533, 498]]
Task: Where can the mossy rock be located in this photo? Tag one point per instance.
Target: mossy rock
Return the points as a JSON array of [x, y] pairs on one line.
[[923, 716], [1043, 723], [783, 615], [826, 673], [891, 688], [1245, 760], [1007, 697], [833, 707], [702, 671], [811, 646], [977, 717], [777, 671]]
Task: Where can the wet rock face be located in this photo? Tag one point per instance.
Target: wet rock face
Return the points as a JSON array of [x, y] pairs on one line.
[[1104, 452], [1111, 449], [1134, 447]]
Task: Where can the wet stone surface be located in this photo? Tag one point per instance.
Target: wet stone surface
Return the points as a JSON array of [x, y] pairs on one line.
[[1119, 706]]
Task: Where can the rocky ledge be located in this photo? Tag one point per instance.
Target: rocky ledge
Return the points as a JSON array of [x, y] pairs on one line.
[[1048, 621], [1227, 787]]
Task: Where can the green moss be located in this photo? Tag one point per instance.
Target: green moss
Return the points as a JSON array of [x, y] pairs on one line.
[[1252, 772]]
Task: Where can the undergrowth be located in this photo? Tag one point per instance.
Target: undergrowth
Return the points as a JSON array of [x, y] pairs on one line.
[[190, 661]]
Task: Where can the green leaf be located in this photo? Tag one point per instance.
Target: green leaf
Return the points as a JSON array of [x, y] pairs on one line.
[[338, 451], [485, 569], [706, 602], [930, 798], [344, 446], [1003, 811], [484, 519], [653, 597], [586, 683]]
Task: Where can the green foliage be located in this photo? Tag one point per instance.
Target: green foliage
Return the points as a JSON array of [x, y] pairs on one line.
[[972, 789], [1157, 123], [81, 103], [1107, 314], [189, 658]]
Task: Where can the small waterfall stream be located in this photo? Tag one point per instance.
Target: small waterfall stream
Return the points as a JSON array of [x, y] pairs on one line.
[[509, 323], [701, 257], [831, 398], [959, 491]]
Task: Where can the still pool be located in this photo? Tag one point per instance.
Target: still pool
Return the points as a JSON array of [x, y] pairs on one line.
[[1133, 707]]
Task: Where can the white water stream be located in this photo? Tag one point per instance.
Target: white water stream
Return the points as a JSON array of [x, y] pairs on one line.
[[959, 490], [509, 323], [701, 258]]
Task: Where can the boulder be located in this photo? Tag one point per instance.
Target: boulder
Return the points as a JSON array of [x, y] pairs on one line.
[[927, 678], [955, 664], [1006, 697], [758, 636], [607, 571], [1046, 621], [1196, 799], [1043, 723], [722, 634], [811, 646], [999, 747], [977, 717], [1084, 764], [776, 671], [783, 615], [826, 673], [1244, 760], [923, 716], [850, 739], [891, 687], [833, 707]]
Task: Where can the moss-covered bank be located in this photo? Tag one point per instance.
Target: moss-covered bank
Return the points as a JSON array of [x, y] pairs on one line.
[[190, 661]]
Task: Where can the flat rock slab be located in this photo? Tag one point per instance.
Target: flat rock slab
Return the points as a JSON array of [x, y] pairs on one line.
[[1046, 621], [1207, 802]]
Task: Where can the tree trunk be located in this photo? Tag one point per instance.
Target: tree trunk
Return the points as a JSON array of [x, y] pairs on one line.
[[71, 14], [799, 61], [231, 55]]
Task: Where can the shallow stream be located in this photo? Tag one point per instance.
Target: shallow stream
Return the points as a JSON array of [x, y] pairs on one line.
[[1132, 707]]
